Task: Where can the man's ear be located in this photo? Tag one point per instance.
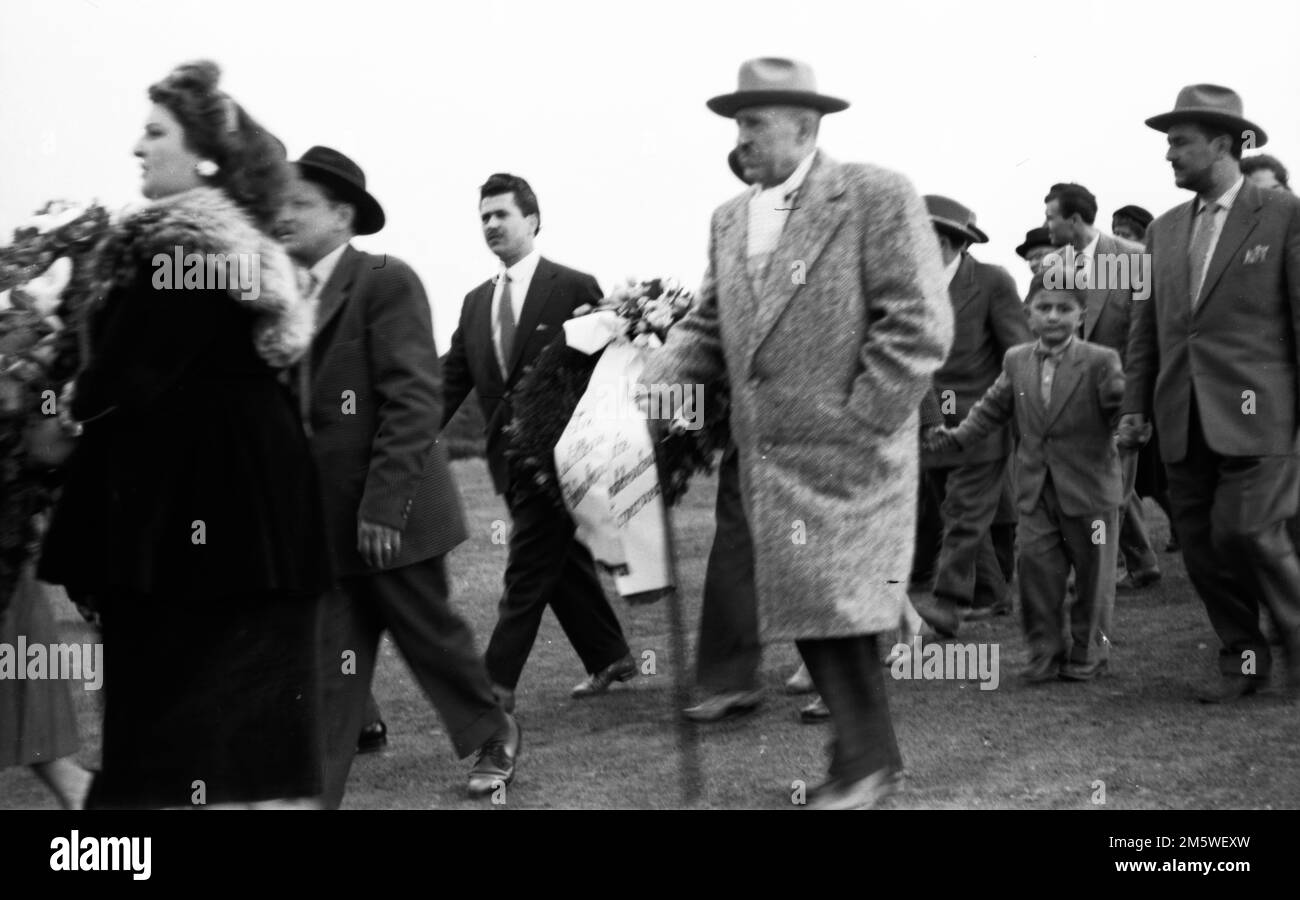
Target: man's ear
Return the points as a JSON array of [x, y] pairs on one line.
[[347, 215]]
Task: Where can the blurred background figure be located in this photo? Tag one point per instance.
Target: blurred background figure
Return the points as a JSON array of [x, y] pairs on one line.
[[1265, 171], [1130, 223]]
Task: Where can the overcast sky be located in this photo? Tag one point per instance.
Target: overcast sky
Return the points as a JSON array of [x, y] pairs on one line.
[[600, 106]]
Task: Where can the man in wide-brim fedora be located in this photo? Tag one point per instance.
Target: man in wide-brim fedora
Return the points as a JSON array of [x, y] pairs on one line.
[[824, 307], [1214, 355]]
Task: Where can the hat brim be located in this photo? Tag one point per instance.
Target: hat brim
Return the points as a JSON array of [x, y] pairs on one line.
[[370, 215], [730, 104], [966, 232], [1227, 121], [1023, 250]]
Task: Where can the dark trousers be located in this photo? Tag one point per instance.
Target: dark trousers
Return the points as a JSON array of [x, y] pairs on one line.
[[548, 566], [1134, 542], [1050, 544], [967, 569], [1231, 515], [848, 675], [437, 644], [1002, 533], [729, 652]]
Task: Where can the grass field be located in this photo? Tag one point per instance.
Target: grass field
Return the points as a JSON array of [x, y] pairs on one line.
[[1137, 732]]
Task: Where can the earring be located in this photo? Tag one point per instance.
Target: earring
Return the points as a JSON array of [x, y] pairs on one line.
[[206, 168]]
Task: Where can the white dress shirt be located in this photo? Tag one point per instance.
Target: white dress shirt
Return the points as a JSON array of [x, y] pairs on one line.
[[324, 268], [950, 270], [521, 277], [770, 207]]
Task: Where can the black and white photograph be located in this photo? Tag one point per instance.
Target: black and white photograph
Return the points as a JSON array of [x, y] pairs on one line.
[[899, 410]]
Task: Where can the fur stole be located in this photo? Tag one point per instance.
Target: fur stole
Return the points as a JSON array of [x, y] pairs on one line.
[[204, 220]]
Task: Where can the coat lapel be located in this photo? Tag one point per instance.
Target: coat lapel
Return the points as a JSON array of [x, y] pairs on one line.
[[481, 347], [1096, 298], [817, 214], [1241, 221], [964, 288], [1064, 382], [539, 292], [733, 260]]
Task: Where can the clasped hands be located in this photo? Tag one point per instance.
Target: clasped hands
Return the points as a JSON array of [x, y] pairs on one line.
[[1133, 431]]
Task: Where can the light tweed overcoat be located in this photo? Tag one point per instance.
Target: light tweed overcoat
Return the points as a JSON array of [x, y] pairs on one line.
[[827, 360]]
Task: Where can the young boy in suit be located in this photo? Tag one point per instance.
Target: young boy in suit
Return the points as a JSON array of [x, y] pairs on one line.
[[1065, 395]]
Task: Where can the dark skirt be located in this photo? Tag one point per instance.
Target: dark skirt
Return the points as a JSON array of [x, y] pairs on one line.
[[209, 704]]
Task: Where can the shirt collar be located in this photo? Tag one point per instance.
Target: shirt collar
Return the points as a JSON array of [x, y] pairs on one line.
[[1090, 251], [522, 270], [1227, 198], [1041, 351], [950, 270], [793, 183], [325, 266]]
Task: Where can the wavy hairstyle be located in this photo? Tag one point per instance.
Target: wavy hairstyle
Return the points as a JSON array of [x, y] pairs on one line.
[[251, 162]]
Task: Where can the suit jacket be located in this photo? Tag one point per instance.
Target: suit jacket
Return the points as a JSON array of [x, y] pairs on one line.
[[374, 412], [1237, 352], [1107, 316], [1073, 439], [827, 359], [472, 364], [988, 320]]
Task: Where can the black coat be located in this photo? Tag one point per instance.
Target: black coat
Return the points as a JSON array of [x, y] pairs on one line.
[[555, 292], [193, 476], [375, 413]]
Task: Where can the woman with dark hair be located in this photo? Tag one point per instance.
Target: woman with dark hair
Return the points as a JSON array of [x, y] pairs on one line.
[[190, 519]]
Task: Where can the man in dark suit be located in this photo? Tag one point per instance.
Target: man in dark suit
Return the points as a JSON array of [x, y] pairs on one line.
[[370, 398], [966, 485], [504, 323], [1214, 354], [1107, 269]]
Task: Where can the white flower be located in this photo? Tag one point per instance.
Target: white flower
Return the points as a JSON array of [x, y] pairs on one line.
[[46, 288]]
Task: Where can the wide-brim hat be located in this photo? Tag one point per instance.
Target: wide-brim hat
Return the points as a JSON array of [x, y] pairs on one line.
[[1034, 237], [774, 81], [327, 166], [951, 216], [1213, 105], [1135, 214]]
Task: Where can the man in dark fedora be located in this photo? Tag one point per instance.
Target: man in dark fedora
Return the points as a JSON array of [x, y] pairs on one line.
[[964, 487], [1129, 223], [823, 308], [1214, 356], [505, 323], [369, 391]]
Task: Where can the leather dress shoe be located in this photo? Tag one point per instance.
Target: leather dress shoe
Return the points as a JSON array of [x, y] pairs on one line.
[[1230, 689], [800, 682], [1040, 670], [505, 697], [374, 737], [864, 793], [724, 706], [495, 766], [815, 713], [1136, 581], [1082, 671], [942, 616], [621, 670]]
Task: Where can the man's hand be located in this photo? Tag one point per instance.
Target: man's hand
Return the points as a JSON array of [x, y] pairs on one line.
[[939, 439], [1134, 431], [378, 544]]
